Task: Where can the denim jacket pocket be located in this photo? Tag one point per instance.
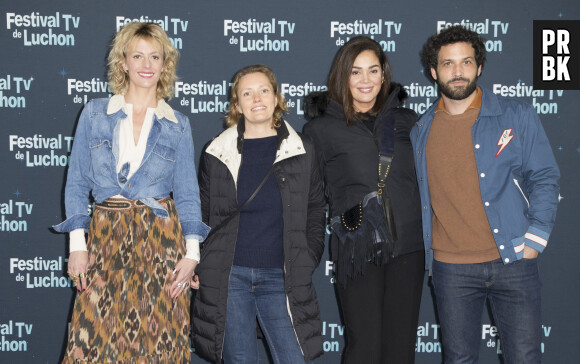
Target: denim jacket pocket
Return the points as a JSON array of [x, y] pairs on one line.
[[101, 154], [161, 160]]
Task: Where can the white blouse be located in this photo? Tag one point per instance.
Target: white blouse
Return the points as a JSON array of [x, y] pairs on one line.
[[129, 152]]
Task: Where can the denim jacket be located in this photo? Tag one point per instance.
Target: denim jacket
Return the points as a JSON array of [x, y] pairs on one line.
[[167, 166], [518, 175]]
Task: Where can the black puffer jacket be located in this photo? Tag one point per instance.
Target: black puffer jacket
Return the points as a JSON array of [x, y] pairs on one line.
[[349, 157], [300, 183]]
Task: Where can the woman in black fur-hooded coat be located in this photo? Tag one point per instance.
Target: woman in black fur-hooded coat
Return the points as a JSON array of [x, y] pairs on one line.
[[379, 266]]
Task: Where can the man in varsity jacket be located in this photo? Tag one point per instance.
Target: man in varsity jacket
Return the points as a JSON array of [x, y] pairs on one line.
[[489, 190]]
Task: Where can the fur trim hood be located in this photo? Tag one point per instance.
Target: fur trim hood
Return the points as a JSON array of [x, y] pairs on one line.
[[319, 103]]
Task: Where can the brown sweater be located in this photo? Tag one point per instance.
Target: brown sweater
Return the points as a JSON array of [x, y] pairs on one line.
[[461, 232]]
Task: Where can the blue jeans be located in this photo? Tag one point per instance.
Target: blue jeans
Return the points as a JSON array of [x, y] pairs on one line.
[[514, 296], [258, 292]]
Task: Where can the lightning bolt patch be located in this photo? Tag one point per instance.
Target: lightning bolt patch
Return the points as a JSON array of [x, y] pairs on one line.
[[504, 140]]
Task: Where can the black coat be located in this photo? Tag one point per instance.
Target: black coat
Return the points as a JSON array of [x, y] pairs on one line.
[[349, 157], [300, 183]]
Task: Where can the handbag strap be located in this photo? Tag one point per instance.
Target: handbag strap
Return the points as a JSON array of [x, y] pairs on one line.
[[240, 208], [384, 168], [386, 149]]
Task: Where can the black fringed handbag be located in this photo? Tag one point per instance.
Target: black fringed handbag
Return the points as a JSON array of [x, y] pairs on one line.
[[366, 231]]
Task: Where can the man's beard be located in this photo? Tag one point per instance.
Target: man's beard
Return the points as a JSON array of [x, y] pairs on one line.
[[455, 93]]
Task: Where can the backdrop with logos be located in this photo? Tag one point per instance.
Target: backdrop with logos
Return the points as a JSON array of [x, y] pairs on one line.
[[53, 62]]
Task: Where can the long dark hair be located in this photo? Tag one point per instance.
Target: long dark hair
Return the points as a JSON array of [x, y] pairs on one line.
[[339, 77]]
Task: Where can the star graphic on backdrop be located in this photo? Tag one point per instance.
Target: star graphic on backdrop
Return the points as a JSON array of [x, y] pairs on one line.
[[17, 193], [63, 73], [560, 15], [560, 148], [560, 197]]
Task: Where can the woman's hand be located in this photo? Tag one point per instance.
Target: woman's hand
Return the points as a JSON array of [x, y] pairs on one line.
[[78, 261], [194, 282], [183, 276]]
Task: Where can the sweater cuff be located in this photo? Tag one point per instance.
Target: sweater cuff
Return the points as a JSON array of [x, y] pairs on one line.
[[77, 240], [192, 249]]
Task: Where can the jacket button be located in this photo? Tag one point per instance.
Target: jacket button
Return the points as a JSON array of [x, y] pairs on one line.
[[425, 207], [482, 175], [507, 260], [129, 185], [496, 231], [123, 180], [299, 148], [418, 152], [286, 152], [283, 179]]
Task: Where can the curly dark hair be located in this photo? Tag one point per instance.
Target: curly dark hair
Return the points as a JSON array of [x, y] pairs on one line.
[[454, 34]]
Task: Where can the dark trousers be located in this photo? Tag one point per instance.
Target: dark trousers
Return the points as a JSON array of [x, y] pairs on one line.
[[380, 310], [514, 294]]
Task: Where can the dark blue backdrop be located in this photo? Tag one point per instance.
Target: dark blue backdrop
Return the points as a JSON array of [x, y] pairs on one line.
[[53, 61]]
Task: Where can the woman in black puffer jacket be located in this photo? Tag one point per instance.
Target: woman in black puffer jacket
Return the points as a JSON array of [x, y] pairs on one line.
[[260, 263], [379, 265]]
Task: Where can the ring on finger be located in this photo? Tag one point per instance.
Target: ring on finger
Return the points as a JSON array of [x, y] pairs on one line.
[[82, 275], [179, 284]]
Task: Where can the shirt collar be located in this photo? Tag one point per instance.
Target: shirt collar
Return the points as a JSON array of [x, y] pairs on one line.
[[163, 110], [475, 104]]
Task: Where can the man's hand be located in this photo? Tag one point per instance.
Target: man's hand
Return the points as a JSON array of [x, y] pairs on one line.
[[530, 253]]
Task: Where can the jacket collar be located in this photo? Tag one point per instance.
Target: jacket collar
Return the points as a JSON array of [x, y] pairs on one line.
[[282, 133], [489, 104], [317, 104], [490, 107], [163, 110], [228, 145]]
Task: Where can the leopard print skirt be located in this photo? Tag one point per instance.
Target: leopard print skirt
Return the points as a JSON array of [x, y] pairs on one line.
[[126, 315]]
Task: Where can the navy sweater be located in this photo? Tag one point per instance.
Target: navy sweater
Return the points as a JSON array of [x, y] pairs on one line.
[[260, 233]]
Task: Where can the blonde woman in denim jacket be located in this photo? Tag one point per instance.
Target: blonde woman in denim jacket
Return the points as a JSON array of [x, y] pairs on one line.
[[135, 155]]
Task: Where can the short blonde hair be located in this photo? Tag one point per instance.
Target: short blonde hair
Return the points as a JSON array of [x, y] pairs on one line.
[[234, 116], [118, 78]]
